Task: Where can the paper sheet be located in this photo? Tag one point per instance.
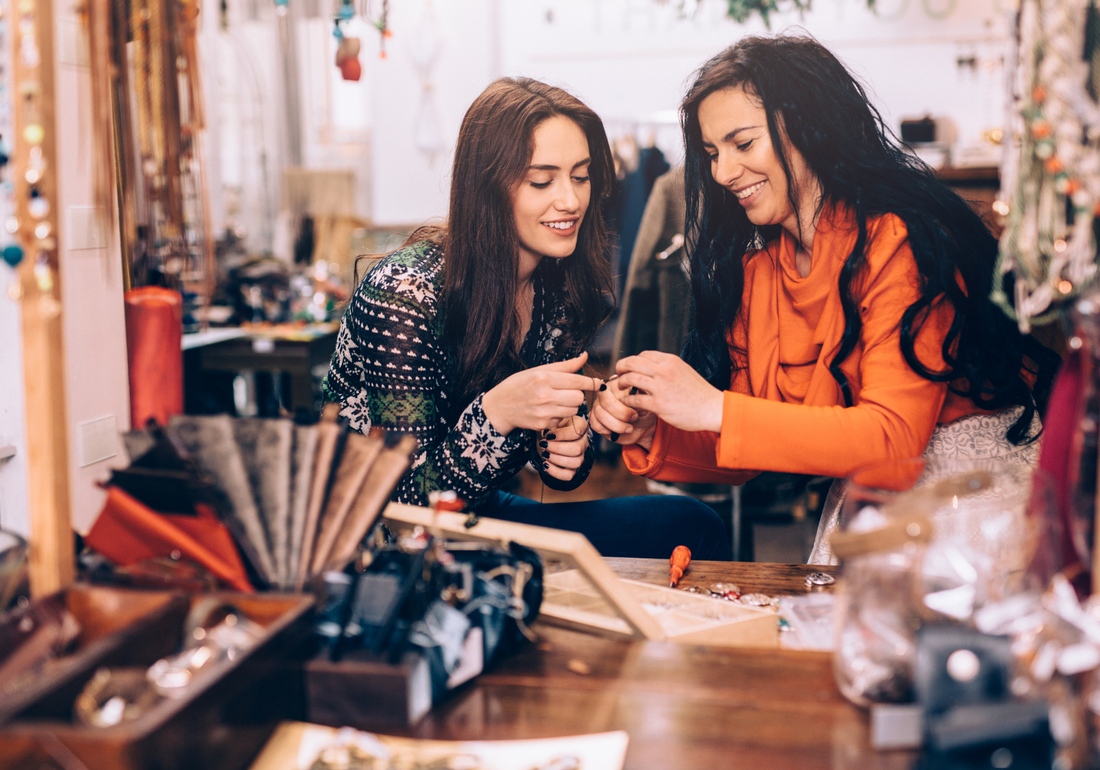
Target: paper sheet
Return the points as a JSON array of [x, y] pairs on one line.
[[296, 745]]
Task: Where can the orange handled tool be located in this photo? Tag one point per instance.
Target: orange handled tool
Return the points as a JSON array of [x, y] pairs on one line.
[[678, 564]]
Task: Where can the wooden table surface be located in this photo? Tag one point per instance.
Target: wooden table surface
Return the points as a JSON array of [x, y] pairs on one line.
[[683, 706]]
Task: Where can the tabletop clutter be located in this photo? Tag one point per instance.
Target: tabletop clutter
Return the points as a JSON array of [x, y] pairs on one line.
[[954, 625], [951, 622]]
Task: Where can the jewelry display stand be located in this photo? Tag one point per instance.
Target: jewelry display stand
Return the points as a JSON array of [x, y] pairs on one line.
[[589, 596]]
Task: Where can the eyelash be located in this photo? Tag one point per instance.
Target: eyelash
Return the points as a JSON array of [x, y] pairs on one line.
[[544, 185], [741, 147]]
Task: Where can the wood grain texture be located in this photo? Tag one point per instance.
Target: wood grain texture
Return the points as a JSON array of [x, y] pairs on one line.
[[51, 558], [750, 577], [685, 707]]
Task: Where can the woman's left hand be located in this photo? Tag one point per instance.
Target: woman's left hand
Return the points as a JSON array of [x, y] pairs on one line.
[[671, 389], [564, 453]]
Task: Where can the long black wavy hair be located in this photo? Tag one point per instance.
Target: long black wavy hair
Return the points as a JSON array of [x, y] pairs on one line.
[[481, 244], [813, 102]]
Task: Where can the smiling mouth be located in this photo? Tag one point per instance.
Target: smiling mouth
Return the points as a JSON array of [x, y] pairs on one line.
[[566, 225], [745, 193]]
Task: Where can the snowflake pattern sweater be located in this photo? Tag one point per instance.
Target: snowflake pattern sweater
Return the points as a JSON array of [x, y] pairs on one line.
[[391, 370]]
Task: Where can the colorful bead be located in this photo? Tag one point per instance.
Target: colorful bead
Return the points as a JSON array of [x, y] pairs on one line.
[[34, 134], [12, 254]]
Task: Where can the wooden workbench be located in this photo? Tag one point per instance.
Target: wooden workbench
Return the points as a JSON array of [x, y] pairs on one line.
[[684, 707]]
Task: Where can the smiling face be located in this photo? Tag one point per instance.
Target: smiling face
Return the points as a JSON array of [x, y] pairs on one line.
[[734, 127], [553, 196]]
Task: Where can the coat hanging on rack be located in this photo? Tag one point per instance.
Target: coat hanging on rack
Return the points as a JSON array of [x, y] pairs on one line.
[[656, 305]]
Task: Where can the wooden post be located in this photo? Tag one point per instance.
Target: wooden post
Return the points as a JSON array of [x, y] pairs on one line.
[[51, 539]]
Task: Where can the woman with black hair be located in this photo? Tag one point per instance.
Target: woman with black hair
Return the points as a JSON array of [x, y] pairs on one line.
[[472, 334], [841, 294]]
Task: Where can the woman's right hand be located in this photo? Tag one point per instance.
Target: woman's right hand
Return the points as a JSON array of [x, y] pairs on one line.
[[619, 423], [539, 397]]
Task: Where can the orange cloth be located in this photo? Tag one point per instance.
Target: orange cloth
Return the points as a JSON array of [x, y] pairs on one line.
[[127, 532], [784, 411]]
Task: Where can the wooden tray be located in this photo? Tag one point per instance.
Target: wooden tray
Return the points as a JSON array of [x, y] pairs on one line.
[[112, 621], [570, 599], [220, 725]]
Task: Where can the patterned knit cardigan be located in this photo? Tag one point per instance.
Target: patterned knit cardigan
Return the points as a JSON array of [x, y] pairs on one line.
[[391, 370]]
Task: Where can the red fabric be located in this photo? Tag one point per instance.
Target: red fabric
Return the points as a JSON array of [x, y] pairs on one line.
[[128, 531], [1060, 456], [154, 332]]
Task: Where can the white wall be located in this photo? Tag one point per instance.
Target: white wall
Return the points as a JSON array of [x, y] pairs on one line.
[[13, 472], [97, 380], [408, 185], [630, 60]]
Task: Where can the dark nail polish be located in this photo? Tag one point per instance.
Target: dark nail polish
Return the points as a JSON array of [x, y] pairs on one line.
[[633, 391], [551, 436], [614, 437], [545, 465], [546, 455], [543, 444], [603, 387]]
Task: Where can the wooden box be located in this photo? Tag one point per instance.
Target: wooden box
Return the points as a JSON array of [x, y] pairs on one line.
[[220, 724], [570, 599], [366, 692]]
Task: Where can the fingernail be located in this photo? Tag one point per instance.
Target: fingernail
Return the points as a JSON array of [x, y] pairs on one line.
[[551, 436], [543, 444], [546, 454], [603, 387], [614, 437], [545, 465], [633, 391]]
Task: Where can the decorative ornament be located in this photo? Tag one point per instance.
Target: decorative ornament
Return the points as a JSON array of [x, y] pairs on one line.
[[1050, 178], [12, 254], [25, 196], [347, 48], [381, 23]]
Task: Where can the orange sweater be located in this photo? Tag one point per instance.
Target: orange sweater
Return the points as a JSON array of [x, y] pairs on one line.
[[784, 411]]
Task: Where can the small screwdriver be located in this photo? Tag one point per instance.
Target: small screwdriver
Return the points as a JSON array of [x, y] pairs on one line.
[[678, 564]]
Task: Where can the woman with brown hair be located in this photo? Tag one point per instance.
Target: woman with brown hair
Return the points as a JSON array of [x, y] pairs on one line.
[[472, 334]]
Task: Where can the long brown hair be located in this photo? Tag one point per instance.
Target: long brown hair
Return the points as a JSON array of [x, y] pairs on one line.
[[814, 102], [481, 326]]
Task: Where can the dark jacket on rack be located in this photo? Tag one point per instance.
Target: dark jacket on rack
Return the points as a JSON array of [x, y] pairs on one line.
[[656, 306]]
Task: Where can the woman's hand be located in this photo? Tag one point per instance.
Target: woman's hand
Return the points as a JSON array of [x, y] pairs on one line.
[[669, 388], [539, 397], [619, 423], [563, 447]]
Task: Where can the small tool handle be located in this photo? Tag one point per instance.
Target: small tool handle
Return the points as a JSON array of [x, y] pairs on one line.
[[678, 564]]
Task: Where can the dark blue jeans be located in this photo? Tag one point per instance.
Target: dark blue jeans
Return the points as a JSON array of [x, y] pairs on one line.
[[646, 527]]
